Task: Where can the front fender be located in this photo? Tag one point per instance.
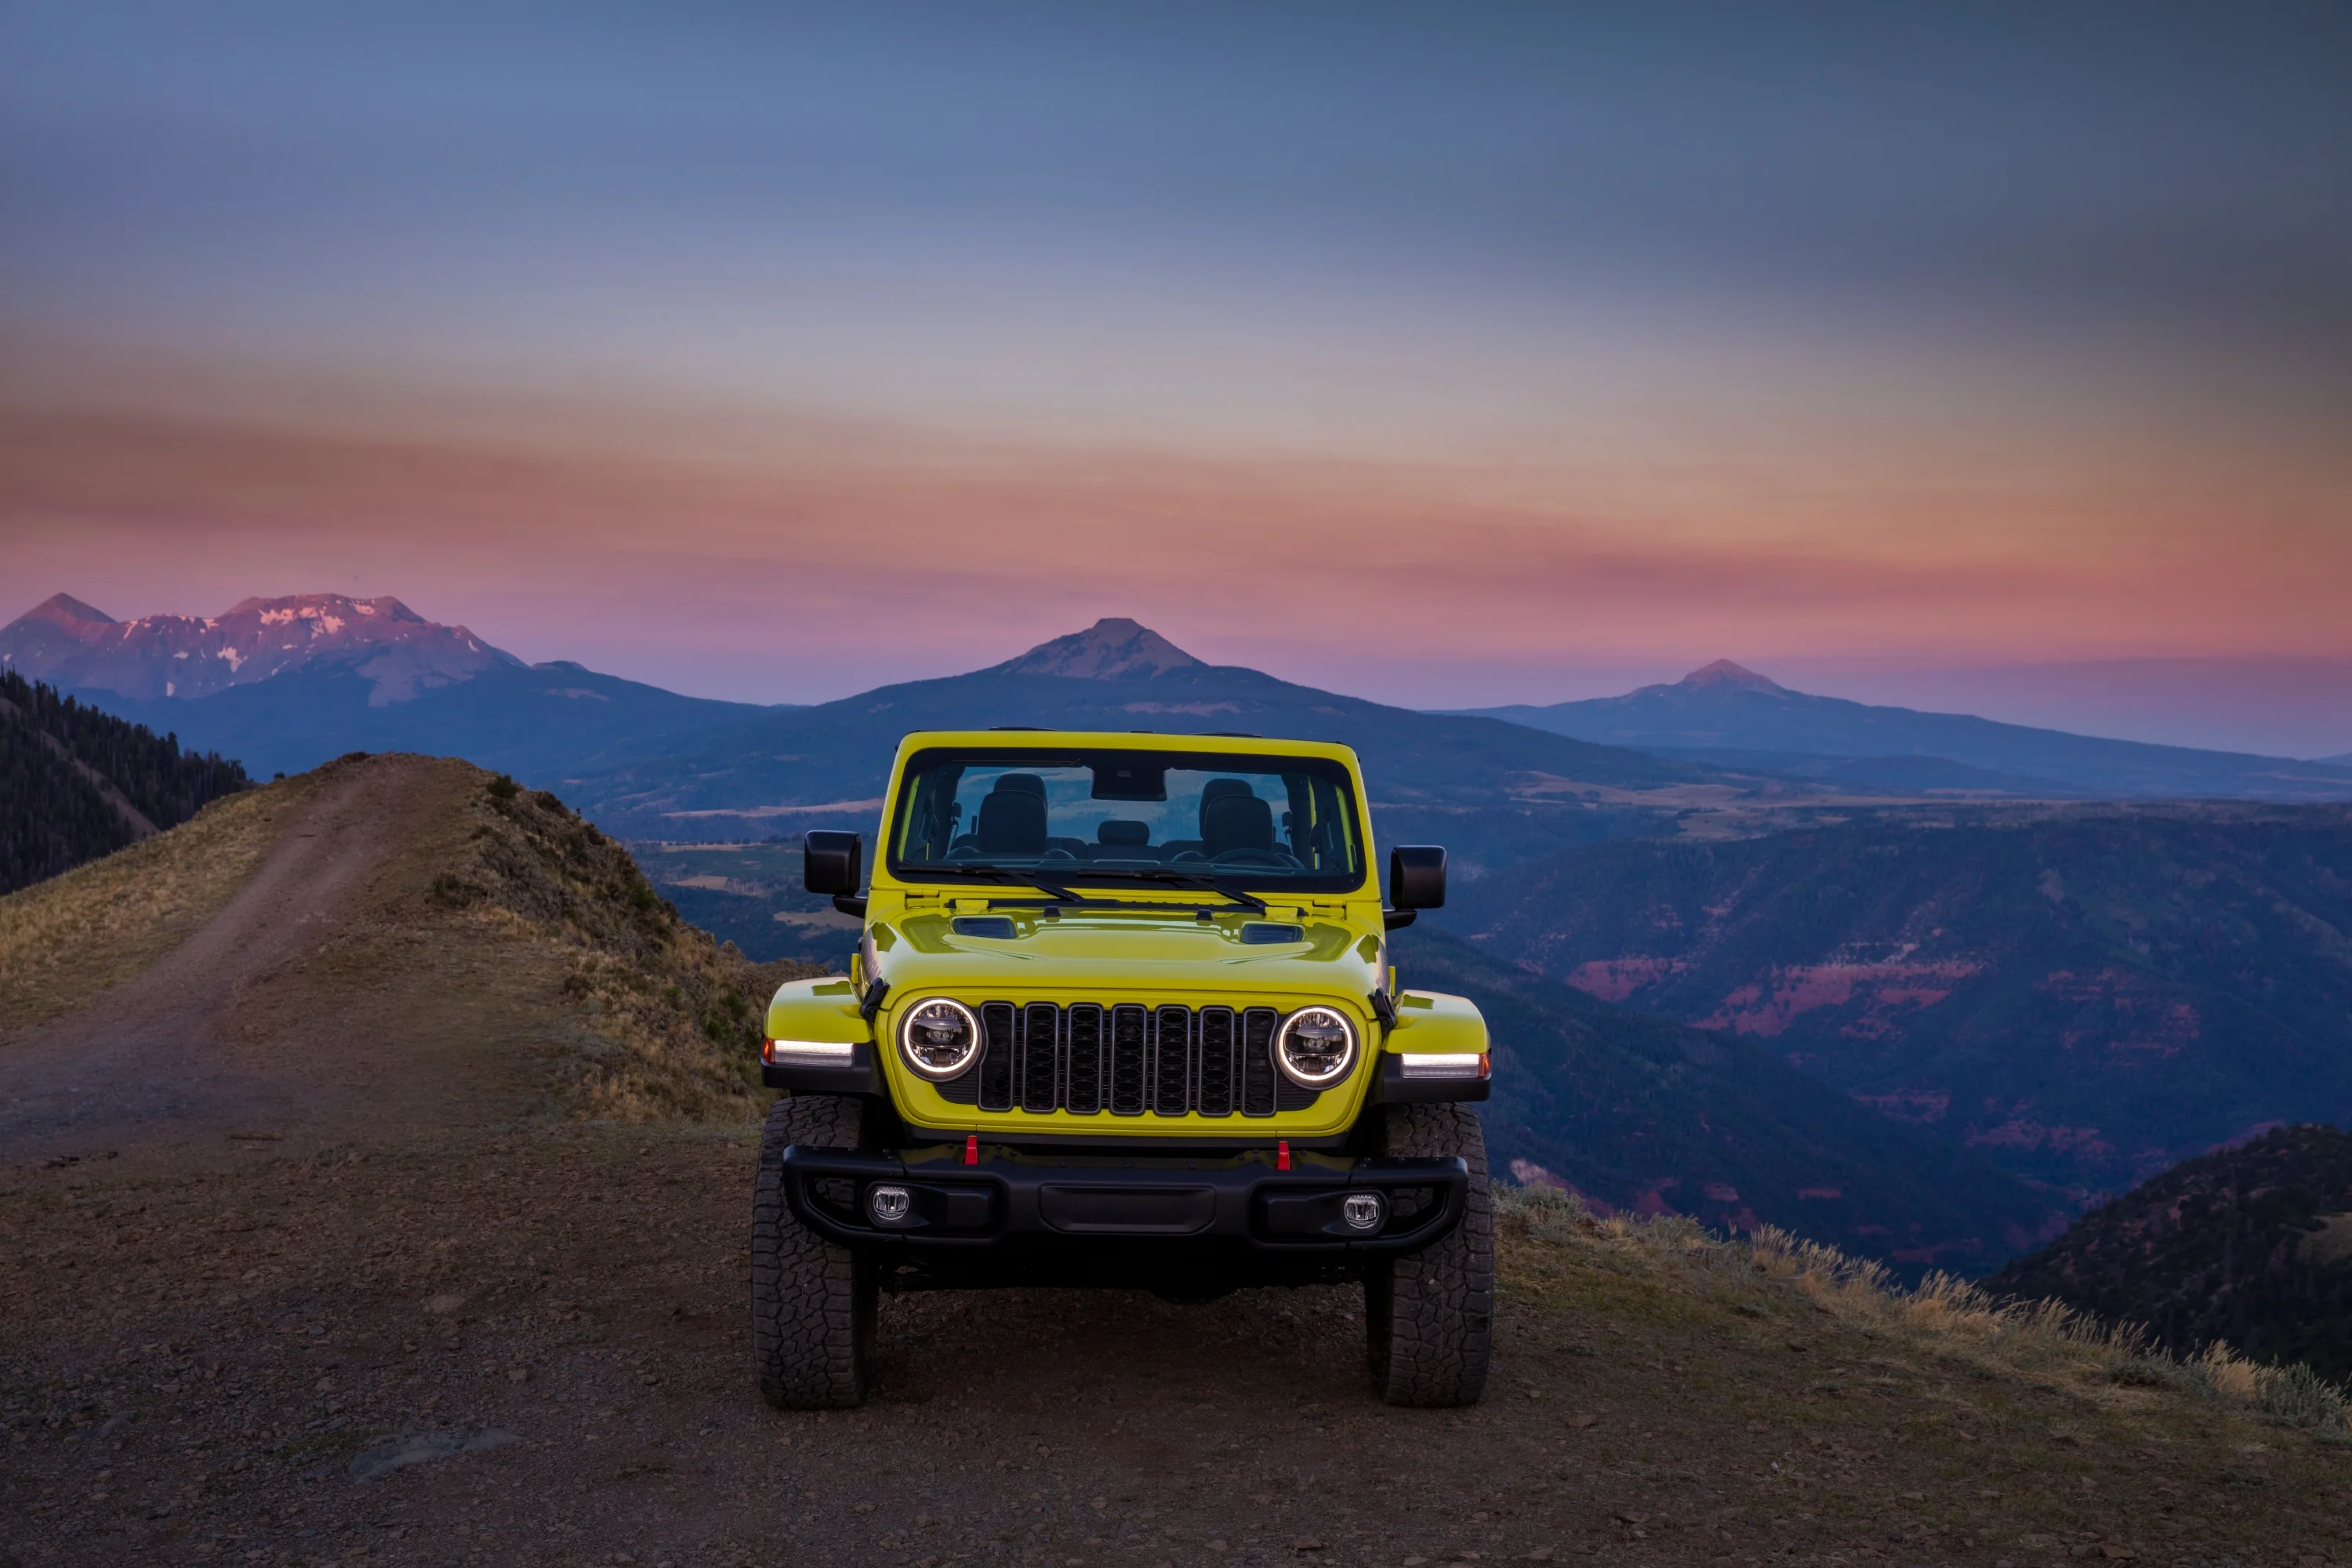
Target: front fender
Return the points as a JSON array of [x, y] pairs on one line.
[[817, 1041], [1437, 1051]]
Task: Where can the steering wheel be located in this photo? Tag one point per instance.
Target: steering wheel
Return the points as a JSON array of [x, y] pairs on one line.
[[1254, 857]]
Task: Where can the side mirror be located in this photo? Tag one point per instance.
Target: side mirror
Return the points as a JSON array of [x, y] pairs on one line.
[[833, 862], [1416, 882]]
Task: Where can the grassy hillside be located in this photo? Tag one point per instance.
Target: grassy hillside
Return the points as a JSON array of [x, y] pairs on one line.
[[2085, 995], [2250, 1245], [459, 919], [1646, 1115], [75, 784]]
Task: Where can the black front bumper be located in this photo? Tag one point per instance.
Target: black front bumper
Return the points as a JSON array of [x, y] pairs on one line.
[[1041, 1205]]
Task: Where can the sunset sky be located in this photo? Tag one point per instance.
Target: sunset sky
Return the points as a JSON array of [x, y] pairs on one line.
[[1447, 355]]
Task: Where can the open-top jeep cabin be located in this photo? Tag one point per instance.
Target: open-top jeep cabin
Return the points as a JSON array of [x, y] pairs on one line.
[[1122, 1013]]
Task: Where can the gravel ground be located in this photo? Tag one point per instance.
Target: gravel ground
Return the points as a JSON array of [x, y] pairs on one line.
[[535, 1340]]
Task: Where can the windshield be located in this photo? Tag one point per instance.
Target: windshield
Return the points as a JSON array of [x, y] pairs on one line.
[[1137, 817]]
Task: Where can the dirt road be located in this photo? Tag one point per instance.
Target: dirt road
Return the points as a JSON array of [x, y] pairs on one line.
[[195, 1366]]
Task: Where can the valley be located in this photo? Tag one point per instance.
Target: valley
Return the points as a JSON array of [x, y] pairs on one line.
[[2085, 994]]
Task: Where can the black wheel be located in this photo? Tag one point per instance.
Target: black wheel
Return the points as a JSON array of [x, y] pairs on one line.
[[1430, 1317], [812, 1302]]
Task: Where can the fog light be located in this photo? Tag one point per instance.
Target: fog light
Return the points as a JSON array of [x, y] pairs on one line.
[[890, 1205], [1363, 1211]]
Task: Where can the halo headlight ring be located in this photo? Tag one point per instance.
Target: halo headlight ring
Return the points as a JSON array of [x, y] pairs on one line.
[[939, 1038], [1315, 1047]]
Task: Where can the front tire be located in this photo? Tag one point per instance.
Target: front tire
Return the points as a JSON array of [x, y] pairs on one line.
[[1429, 1317], [813, 1303]]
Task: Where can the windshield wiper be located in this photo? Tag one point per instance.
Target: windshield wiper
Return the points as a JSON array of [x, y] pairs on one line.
[[1181, 879], [996, 873]]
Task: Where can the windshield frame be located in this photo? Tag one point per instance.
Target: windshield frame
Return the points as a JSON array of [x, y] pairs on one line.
[[1079, 876]]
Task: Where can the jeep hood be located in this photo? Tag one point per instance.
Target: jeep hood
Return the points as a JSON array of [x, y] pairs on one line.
[[1141, 955]]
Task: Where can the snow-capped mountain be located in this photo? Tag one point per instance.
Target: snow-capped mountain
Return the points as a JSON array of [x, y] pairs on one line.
[[396, 650], [284, 684]]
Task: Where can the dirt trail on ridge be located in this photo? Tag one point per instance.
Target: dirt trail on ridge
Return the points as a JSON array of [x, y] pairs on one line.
[[308, 1009]]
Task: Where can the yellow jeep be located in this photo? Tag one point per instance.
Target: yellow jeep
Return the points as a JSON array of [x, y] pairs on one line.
[[1122, 1013]]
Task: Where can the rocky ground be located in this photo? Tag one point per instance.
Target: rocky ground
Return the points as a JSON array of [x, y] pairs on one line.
[[535, 1340]]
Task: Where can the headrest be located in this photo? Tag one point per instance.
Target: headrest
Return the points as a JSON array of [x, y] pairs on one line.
[[1020, 784], [1218, 789], [1235, 822], [1118, 832]]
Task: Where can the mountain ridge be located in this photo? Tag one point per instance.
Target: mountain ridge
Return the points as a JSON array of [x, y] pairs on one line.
[[780, 766], [1724, 713], [2250, 1245]]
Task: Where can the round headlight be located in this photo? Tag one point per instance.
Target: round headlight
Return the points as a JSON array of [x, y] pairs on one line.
[[1315, 1047], [939, 1038]]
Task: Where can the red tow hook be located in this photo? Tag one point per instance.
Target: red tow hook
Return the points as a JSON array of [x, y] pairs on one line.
[[1282, 1154], [972, 1150]]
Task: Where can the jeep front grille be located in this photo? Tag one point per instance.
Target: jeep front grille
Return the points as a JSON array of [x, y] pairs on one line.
[[1127, 1061]]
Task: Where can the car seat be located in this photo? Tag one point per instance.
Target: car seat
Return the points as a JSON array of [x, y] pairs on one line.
[[1012, 816]]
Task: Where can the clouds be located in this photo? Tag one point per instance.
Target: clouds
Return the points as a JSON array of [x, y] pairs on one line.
[[800, 560], [1371, 342]]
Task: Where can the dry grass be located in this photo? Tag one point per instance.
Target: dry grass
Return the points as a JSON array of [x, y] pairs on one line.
[[64, 941], [2043, 1344], [673, 1017]]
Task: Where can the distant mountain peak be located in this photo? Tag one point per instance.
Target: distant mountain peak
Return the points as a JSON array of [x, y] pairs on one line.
[[1723, 672], [1113, 648], [64, 609]]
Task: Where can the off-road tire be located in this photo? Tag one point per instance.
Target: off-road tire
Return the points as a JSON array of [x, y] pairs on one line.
[[812, 1302], [1429, 1317]]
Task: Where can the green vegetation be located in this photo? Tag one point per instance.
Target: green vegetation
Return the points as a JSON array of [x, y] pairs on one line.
[[2251, 1246], [80, 783]]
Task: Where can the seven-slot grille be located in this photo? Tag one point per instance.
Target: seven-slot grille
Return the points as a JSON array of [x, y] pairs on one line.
[[1127, 1061]]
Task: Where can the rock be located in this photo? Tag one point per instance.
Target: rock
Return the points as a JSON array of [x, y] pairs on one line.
[[398, 1451]]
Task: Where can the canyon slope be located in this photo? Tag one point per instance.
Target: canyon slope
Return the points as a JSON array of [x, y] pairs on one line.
[[2085, 995]]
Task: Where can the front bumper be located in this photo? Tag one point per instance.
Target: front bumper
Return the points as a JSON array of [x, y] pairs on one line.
[[1009, 1200]]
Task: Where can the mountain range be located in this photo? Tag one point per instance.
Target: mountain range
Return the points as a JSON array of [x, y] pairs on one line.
[[787, 768], [1734, 717], [285, 684], [2086, 993]]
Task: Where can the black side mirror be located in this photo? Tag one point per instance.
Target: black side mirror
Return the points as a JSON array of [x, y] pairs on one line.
[[1416, 882], [833, 862]]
